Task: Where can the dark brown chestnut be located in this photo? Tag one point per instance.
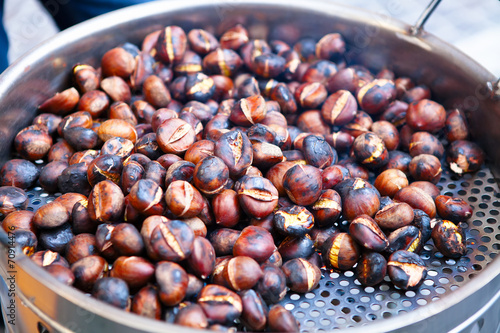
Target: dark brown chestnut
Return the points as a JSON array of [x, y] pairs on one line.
[[426, 115], [368, 234], [257, 196], [301, 275], [340, 251], [254, 242], [113, 291], [220, 304], [371, 269], [449, 239], [272, 285], [406, 270], [453, 209], [408, 238], [241, 273], [464, 156], [425, 167], [326, 210], [303, 184], [172, 281], [282, 320], [172, 240], [417, 199]]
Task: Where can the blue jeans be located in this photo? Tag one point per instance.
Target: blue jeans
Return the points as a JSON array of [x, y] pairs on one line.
[[66, 13]]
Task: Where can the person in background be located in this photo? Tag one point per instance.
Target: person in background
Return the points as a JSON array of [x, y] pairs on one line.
[[66, 13]]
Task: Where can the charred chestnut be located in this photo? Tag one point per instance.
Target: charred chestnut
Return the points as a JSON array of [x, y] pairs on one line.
[[406, 270]]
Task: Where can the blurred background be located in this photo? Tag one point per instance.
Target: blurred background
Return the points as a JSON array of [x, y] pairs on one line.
[[472, 26]]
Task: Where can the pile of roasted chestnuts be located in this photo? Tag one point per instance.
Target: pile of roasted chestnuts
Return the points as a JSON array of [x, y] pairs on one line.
[[211, 175]]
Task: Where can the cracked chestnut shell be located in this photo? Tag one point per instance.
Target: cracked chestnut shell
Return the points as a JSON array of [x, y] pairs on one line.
[[394, 215], [106, 202], [241, 273], [171, 44], [326, 210], [183, 199], [426, 167], [339, 108], [464, 156], [235, 149], [175, 136], [221, 305], [202, 41], [172, 240], [310, 95], [222, 61], [210, 175], [303, 184], [249, 111], [408, 238], [425, 143], [406, 270], [103, 168], [301, 275], [423, 222], [369, 149], [340, 251], [360, 199], [293, 220], [374, 96], [449, 239], [257, 196]]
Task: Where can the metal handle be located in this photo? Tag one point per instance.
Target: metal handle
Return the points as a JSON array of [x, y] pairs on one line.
[[418, 26], [494, 88]]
